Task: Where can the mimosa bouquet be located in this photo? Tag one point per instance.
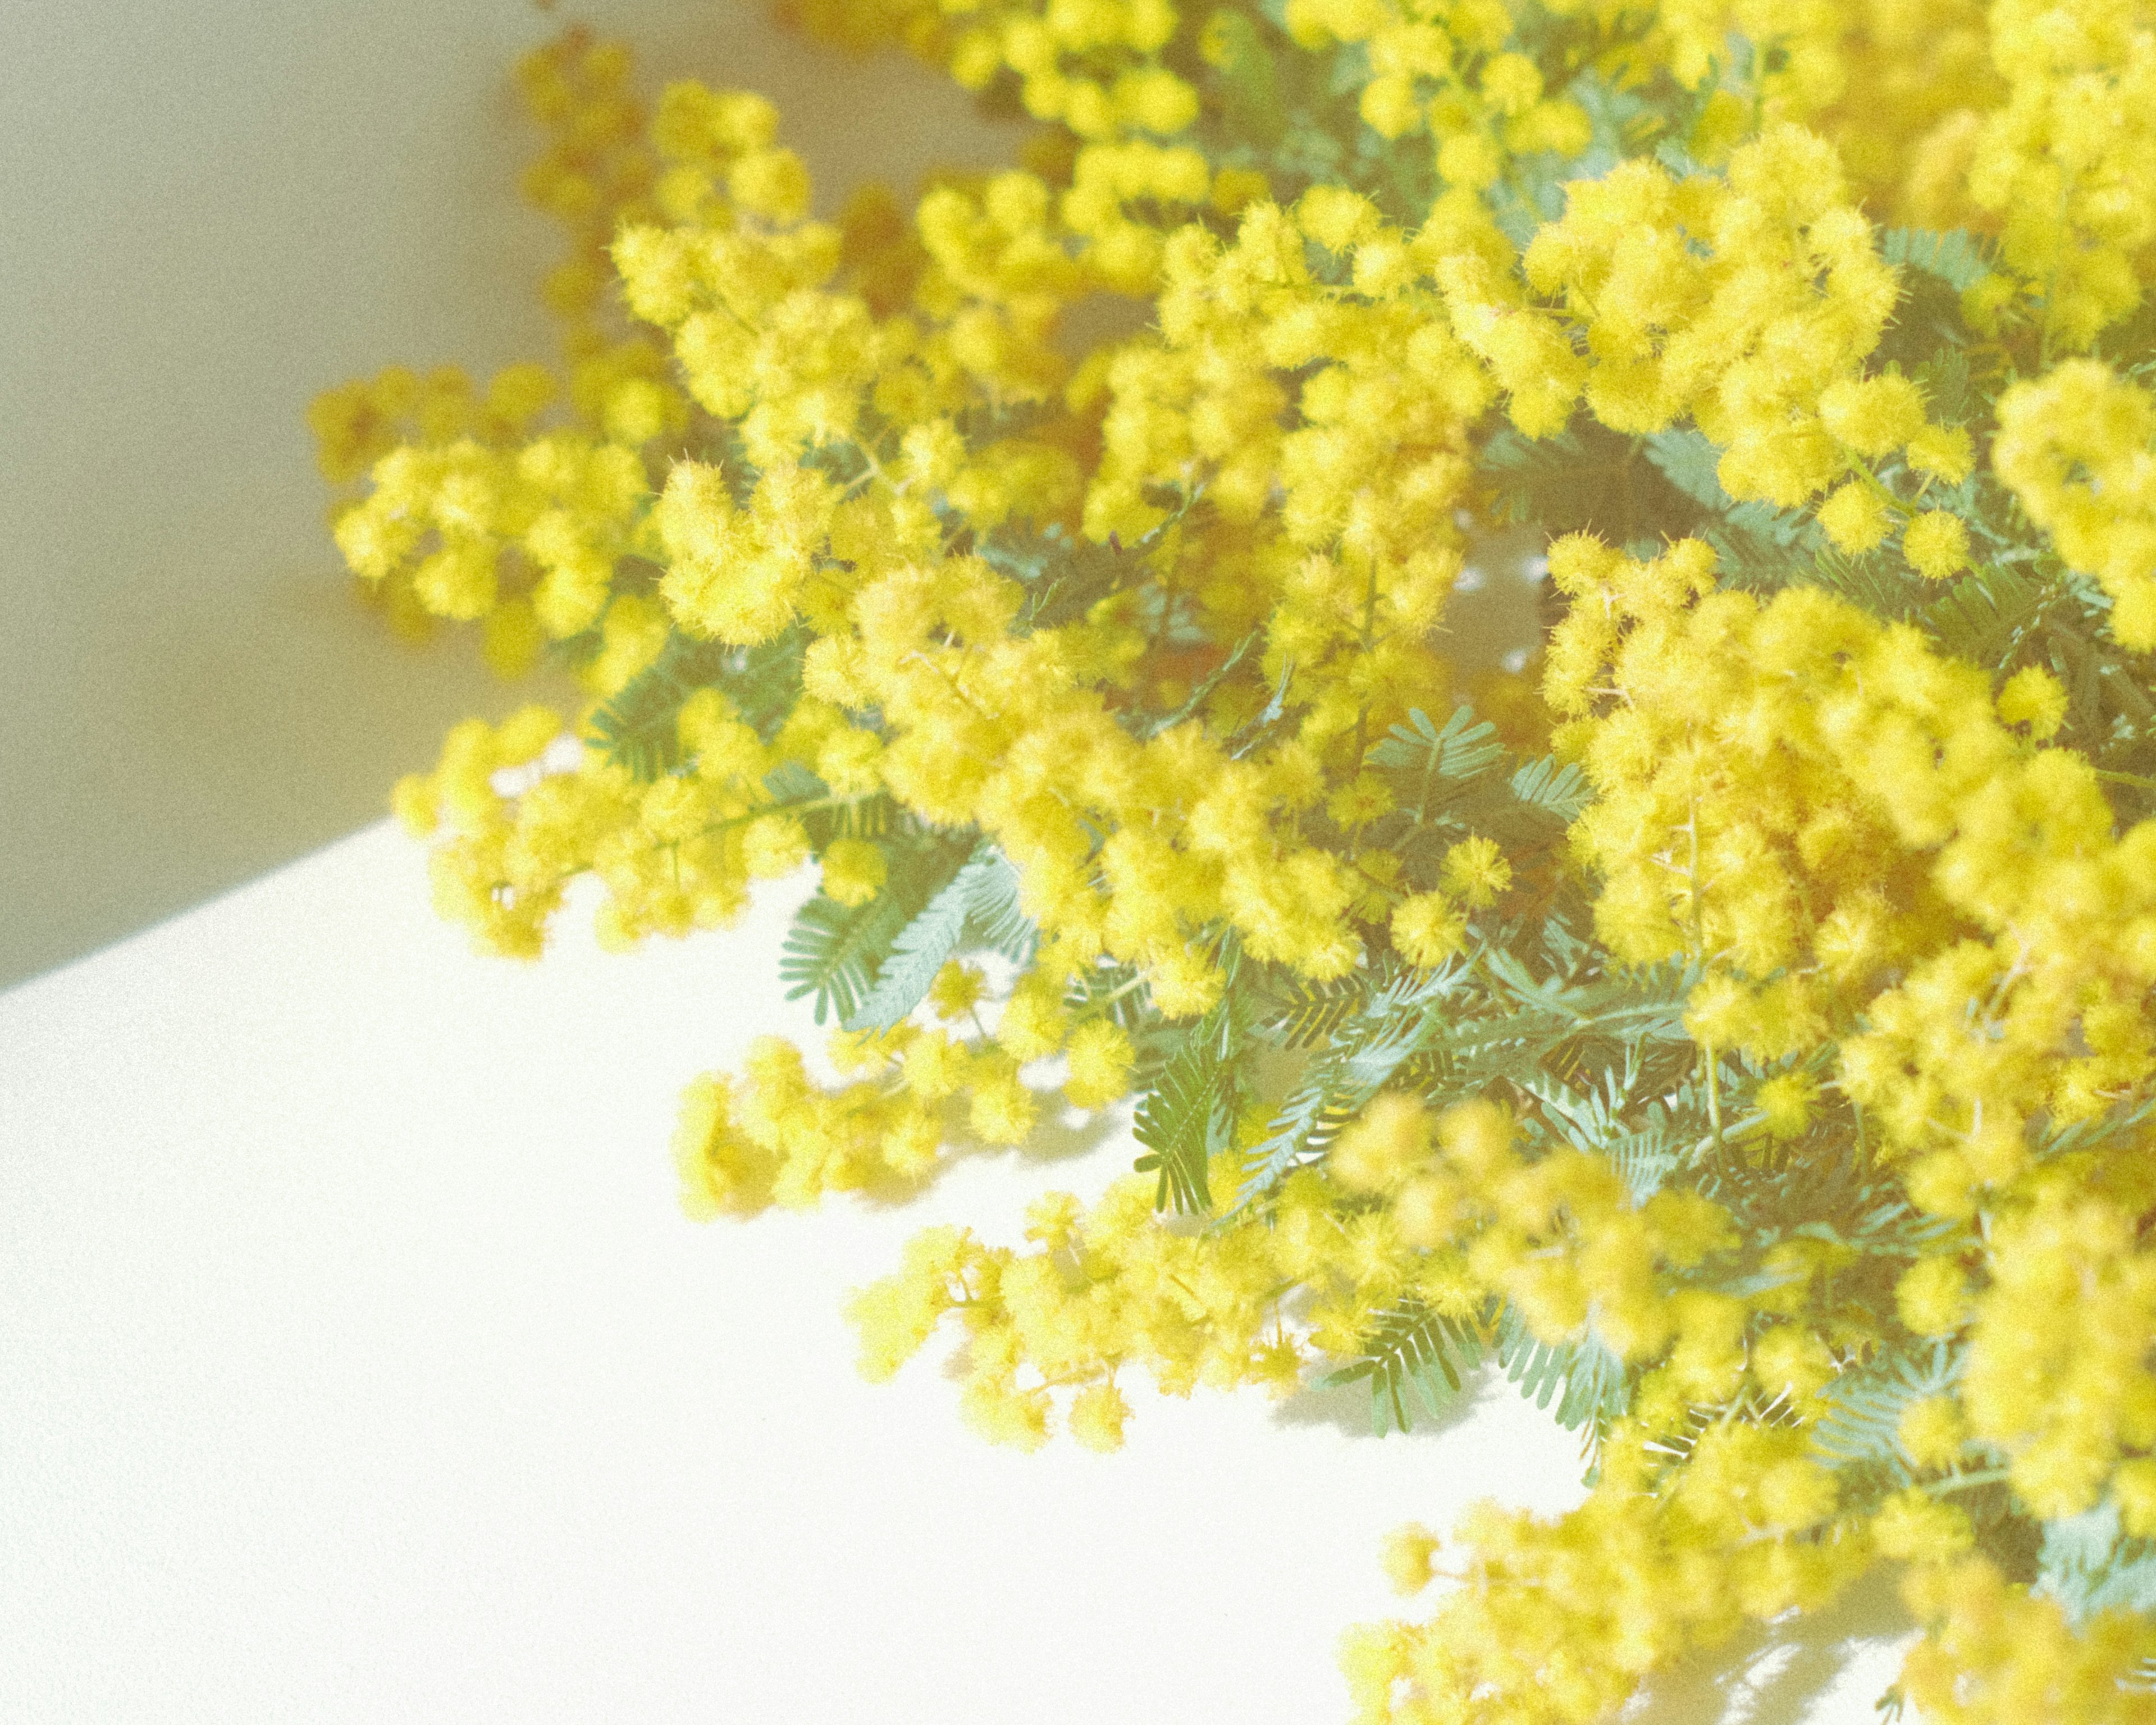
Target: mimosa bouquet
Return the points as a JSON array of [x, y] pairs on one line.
[[1728, 1016]]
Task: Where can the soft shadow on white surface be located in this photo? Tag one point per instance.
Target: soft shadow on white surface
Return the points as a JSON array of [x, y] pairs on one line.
[[362, 1366], [213, 210], [1829, 1668]]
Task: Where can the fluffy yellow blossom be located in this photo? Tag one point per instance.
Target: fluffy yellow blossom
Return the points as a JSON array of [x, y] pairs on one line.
[[1100, 1057], [2078, 446], [1993, 1653], [1427, 928], [1854, 516], [854, 871], [1408, 1552], [1936, 544], [2057, 1372], [1933, 1296], [2067, 163]]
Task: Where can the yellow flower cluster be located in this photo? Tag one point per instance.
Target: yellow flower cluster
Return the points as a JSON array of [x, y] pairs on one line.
[[1095, 66], [2068, 163], [470, 516], [1105, 1289], [1747, 302], [1916, 75], [597, 166], [1564, 1617], [2057, 1373], [1995, 1655], [1332, 496], [1718, 831], [776, 1136], [1804, 800], [674, 854], [1559, 1236], [1448, 70], [368, 420], [1156, 618], [2078, 447], [1112, 1286], [446, 517]]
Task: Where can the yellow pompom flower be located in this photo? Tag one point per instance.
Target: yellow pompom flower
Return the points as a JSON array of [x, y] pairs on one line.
[[2034, 697], [1097, 1416], [1387, 1142], [2133, 1484], [1787, 1102], [1003, 1110], [956, 990], [1933, 1296], [1916, 1528], [1936, 544], [1944, 453], [855, 870], [1854, 516], [1100, 1056], [773, 845], [1428, 928], [1873, 415], [1477, 871], [1407, 1557], [415, 803], [1931, 1431]]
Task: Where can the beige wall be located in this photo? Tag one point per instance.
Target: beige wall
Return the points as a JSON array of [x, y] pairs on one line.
[[209, 210]]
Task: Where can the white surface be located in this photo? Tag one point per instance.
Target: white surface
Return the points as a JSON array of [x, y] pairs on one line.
[[356, 1363], [211, 210]]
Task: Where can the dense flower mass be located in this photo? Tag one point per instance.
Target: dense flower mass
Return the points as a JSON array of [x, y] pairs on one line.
[[1739, 1034]]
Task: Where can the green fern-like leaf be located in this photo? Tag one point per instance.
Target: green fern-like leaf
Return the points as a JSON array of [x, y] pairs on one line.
[[1585, 477], [922, 948], [1411, 1346], [1587, 1382], [1757, 544], [1559, 792], [637, 728], [2089, 1565], [1865, 1406], [1177, 1124], [1948, 385], [995, 916], [1642, 1147], [1300, 1131], [1365, 1050], [832, 949], [1190, 1112], [1954, 255], [1689, 461], [796, 790], [1524, 471], [1429, 754], [1305, 1014], [2118, 1124], [1983, 617]]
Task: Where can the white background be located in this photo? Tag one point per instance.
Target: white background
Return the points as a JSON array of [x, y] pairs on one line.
[[357, 1363]]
